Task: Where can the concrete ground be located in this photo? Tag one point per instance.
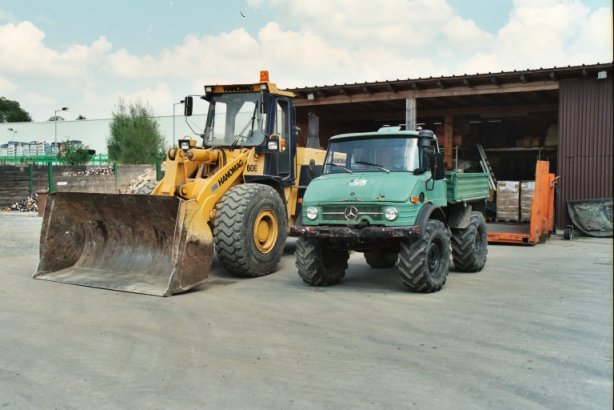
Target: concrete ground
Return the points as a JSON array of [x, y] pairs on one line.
[[532, 330]]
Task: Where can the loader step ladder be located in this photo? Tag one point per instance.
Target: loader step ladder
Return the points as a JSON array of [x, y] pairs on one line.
[[487, 168]]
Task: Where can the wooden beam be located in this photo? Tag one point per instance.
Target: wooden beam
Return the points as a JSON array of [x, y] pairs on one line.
[[410, 114], [433, 92], [448, 129], [489, 109]]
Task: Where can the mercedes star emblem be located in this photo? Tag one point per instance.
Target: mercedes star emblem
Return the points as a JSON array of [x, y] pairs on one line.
[[351, 213]]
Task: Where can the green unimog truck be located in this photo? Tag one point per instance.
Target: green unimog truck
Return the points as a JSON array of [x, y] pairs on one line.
[[387, 194]]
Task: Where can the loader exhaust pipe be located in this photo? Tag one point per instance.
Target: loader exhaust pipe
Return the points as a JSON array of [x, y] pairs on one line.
[[154, 245]]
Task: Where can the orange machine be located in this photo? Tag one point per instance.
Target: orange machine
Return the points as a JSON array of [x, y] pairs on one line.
[[542, 213]]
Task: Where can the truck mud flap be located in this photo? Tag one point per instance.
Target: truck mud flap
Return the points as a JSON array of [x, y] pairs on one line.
[[154, 245]]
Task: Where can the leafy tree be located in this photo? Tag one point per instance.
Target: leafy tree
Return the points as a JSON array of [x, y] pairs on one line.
[[135, 135], [11, 111], [76, 155]]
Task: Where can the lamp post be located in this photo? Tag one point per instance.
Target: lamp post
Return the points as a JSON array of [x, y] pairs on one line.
[[55, 120], [175, 104]]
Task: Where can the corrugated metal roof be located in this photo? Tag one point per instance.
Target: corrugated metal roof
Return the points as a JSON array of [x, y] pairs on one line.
[[464, 80]]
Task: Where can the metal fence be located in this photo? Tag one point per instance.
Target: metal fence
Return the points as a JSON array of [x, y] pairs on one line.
[[98, 159]]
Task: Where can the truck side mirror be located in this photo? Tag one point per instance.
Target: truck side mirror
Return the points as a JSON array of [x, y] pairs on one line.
[[311, 169], [437, 165], [188, 104]]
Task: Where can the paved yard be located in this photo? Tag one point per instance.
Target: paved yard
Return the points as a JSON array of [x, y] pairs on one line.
[[533, 330]]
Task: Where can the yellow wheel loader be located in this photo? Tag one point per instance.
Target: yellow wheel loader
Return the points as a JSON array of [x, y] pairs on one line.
[[238, 191]]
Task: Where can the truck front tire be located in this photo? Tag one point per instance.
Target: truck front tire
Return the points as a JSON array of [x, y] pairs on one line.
[[317, 264], [424, 263], [470, 245]]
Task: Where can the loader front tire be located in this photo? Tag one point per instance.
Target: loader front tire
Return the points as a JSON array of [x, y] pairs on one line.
[[424, 263], [318, 264], [250, 229], [470, 245]]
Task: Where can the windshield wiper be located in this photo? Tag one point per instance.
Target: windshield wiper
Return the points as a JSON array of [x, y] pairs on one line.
[[244, 137], [340, 166], [372, 164]]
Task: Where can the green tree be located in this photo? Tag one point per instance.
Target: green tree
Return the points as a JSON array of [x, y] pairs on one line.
[[135, 135], [11, 111], [76, 155]]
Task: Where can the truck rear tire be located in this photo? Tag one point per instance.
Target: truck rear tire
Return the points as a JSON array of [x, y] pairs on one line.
[[317, 264], [250, 229], [381, 259], [470, 245], [424, 263]]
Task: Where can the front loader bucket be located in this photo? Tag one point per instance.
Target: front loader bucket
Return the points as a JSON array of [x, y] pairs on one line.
[[156, 245]]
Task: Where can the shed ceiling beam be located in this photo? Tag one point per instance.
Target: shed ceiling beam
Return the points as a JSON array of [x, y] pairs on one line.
[[489, 109]]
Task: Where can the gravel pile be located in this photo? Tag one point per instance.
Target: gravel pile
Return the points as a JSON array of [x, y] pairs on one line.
[[148, 177], [28, 204], [93, 171]]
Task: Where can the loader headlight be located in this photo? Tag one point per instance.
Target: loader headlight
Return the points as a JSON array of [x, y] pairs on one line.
[[391, 213], [311, 213], [185, 145]]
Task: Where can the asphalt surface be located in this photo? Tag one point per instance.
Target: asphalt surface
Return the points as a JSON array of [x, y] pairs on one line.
[[533, 330]]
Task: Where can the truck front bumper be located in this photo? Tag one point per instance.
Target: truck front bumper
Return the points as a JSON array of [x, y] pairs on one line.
[[356, 234]]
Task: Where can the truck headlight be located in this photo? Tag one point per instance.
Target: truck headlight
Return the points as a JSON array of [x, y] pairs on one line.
[[311, 213], [391, 213]]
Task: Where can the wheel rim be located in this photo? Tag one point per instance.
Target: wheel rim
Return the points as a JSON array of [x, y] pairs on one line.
[[265, 231], [433, 256]]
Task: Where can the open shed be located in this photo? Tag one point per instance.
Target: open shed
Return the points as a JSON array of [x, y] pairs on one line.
[[561, 114]]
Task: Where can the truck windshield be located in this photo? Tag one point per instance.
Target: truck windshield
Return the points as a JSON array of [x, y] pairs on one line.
[[235, 119], [393, 154]]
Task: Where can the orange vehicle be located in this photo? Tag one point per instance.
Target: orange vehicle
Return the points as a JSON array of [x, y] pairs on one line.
[[542, 214]]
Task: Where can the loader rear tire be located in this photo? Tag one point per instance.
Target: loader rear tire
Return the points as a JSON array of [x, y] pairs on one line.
[[250, 229], [424, 263], [317, 264], [470, 245], [381, 259]]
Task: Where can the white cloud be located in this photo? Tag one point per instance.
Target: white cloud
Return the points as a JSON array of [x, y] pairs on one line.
[[6, 16], [158, 98], [22, 51], [6, 87]]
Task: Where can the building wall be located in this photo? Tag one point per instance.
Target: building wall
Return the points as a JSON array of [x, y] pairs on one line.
[[586, 139]]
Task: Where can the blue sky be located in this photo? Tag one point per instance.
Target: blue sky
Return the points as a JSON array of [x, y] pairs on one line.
[[88, 54]]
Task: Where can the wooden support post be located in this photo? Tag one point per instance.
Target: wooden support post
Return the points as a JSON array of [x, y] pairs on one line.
[[448, 129], [410, 114]]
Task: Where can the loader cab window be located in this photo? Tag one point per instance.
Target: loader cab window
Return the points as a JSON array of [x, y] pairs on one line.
[[235, 119]]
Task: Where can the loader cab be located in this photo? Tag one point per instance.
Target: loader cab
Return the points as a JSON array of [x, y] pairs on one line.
[[253, 115]]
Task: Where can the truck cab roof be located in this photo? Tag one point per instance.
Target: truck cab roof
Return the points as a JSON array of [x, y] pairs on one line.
[[384, 132]]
